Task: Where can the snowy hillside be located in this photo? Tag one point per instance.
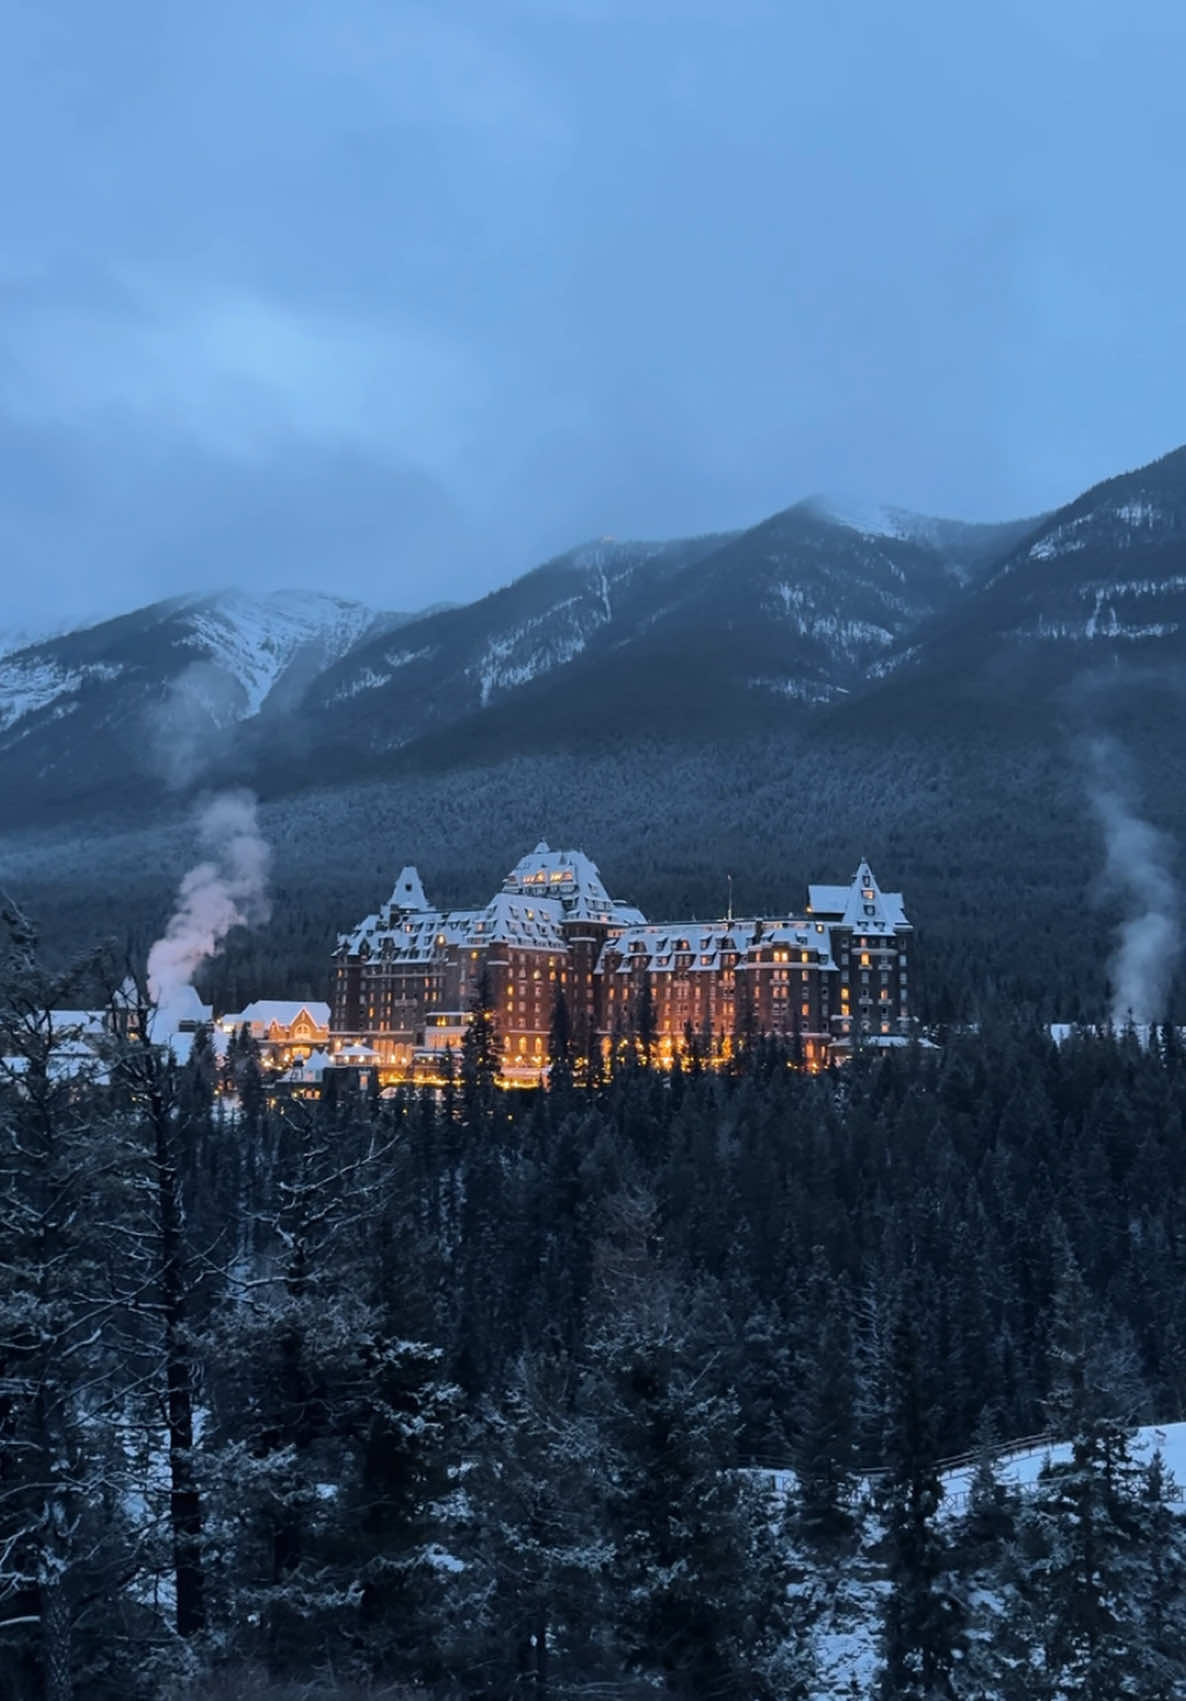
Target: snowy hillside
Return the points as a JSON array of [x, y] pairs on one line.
[[845, 1602], [231, 649], [254, 640], [965, 546], [1022, 1466], [520, 633]]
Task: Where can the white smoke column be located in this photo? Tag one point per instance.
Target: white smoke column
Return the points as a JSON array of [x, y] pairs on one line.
[[228, 889], [1138, 869]]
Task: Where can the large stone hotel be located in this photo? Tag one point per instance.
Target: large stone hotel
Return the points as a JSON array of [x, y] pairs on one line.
[[406, 978]]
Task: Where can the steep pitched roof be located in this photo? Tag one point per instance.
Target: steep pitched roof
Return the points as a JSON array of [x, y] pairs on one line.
[[283, 1011], [408, 892], [571, 877], [860, 904]]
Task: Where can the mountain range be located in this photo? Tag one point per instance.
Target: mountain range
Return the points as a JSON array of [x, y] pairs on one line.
[[832, 682], [676, 638], [818, 608]]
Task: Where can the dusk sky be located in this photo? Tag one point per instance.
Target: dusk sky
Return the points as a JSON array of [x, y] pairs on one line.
[[395, 300]]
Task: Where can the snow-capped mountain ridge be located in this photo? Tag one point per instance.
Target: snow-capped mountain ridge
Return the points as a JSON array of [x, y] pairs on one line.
[[964, 544], [255, 639], [231, 650], [821, 610]]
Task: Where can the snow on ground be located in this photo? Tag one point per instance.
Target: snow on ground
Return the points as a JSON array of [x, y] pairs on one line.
[[1022, 1469], [845, 1609]]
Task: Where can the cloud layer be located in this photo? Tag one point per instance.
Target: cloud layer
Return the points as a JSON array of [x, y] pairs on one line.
[[400, 297]]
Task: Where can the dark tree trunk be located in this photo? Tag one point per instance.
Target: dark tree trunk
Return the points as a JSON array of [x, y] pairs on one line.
[[185, 1506], [56, 1653]]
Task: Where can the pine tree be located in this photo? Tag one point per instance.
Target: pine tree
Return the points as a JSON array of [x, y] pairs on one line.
[[560, 1052], [161, 1281], [528, 1612], [1085, 1538], [646, 1022], [699, 1586], [479, 1060], [823, 1451], [64, 1193], [246, 1077], [922, 1613], [1164, 1618]]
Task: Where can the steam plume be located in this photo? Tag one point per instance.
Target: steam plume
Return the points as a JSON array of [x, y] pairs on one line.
[[1138, 869], [229, 888]]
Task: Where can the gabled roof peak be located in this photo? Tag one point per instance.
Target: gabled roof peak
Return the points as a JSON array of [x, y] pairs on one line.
[[409, 891]]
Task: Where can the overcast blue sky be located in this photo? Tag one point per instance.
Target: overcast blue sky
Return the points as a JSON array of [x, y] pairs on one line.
[[397, 299]]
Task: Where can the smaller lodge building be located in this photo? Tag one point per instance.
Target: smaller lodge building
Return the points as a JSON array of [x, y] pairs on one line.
[[405, 980], [287, 1032]]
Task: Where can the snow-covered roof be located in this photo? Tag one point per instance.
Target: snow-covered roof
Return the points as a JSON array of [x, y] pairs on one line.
[[656, 947], [408, 892], [827, 900], [523, 920], [89, 1024], [801, 933], [861, 904], [284, 1012], [180, 1004], [69, 1060], [312, 1068], [543, 890], [356, 1052], [703, 944], [574, 879]]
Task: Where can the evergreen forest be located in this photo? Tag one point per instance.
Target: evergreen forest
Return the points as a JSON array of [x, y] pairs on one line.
[[641, 1384]]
